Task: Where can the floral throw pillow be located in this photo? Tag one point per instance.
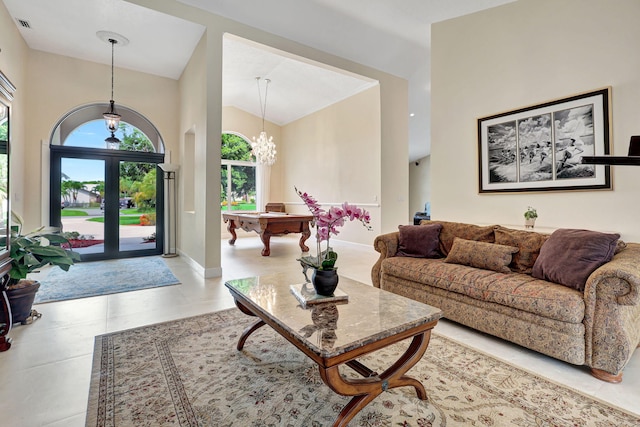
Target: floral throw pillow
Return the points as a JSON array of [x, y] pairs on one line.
[[488, 256], [529, 243]]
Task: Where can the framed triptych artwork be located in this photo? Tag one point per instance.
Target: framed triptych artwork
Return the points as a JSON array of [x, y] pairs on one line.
[[540, 148]]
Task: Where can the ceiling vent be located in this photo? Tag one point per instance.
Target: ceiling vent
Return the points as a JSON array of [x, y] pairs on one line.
[[23, 23]]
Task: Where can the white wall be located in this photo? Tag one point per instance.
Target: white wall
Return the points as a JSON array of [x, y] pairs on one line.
[[78, 83], [334, 154], [196, 99], [393, 178], [525, 53], [13, 63]]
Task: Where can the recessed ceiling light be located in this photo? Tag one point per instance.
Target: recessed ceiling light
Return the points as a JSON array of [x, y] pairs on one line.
[[412, 114]]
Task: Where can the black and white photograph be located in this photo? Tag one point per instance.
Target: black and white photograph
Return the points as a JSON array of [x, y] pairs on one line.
[[535, 148], [574, 139], [503, 152], [540, 148]]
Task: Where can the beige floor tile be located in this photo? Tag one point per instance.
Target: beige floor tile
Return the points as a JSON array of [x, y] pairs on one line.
[[47, 371]]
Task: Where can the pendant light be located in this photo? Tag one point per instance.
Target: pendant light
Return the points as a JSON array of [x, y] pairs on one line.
[[263, 148], [111, 116]]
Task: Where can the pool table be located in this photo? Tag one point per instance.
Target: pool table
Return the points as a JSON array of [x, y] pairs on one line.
[[268, 224]]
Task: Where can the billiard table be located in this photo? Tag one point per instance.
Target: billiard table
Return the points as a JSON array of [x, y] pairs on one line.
[[268, 224]]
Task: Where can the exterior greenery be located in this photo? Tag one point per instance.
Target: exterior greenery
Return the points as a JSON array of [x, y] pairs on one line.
[[137, 180], [243, 178]]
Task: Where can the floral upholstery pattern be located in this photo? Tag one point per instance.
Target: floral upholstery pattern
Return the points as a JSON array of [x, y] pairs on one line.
[[451, 230], [599, 327], [520, 291], [484, 255], [528, 242]]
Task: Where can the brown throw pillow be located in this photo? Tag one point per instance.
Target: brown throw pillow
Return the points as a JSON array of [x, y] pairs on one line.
[[528, 242], [488, 256], [419, 241], [569, 256]]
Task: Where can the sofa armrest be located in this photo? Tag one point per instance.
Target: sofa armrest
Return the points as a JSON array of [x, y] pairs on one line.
[[387, 245], [612, 311]]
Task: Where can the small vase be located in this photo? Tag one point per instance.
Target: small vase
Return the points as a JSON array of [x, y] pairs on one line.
[[529, 223], [325, 282]]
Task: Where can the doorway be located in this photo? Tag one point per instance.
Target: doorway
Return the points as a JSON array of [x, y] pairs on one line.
[[107, 202]]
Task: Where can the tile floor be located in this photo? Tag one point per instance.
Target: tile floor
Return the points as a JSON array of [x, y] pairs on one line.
[[45, 375]]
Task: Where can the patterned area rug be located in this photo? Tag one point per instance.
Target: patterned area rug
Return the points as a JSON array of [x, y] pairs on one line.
[[90, 279], [189, 373]]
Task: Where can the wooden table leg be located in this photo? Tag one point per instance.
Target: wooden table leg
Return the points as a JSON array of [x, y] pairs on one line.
[[305, 235], [265, 236], [249, 329], [231, 228], [365, 390]]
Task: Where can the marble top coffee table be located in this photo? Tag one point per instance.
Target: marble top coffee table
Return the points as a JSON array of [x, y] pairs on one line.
[[333, 334]]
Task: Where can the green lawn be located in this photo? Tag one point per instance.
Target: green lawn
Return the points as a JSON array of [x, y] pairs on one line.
[[124, 220], [72, 212], [241, 207], [136, 211]]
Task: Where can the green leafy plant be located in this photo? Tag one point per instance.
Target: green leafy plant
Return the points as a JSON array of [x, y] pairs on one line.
[[34, 250], [530, 213]]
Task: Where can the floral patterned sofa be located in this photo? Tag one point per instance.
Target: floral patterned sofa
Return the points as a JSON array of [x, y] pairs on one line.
[[540, 291]]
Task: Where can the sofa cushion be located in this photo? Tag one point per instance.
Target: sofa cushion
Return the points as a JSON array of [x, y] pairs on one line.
[[421, 241], [528, 242], [569, 256], [451, 230], [519, 291], [489, 256]]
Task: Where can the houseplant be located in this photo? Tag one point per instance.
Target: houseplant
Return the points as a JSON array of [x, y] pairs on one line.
[[530, 216], [28, 253], [325, 276]]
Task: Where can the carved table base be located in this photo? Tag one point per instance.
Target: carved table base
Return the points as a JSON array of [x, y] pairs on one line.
[[365, 389]]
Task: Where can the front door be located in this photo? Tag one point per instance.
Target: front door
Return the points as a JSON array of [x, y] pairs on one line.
[[108, 202]]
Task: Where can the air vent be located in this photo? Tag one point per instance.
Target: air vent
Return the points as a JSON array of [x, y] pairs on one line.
[[23, 23]]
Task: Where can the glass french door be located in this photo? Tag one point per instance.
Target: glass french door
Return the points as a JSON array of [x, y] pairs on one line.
[[107, 202]]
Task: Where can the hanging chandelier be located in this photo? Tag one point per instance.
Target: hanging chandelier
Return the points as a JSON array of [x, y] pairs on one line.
[[263, 148], [111, 116]]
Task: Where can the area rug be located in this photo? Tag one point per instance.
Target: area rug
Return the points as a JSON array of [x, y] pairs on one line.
[[88, 279], [189, 373]]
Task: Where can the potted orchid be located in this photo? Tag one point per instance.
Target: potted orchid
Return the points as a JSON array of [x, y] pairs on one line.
[[327, 223]]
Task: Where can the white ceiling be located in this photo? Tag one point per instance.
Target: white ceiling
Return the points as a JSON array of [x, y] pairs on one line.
[[390, 35]]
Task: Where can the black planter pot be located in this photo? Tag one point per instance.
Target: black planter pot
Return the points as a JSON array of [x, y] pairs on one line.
[[21, 300], [325, 282]]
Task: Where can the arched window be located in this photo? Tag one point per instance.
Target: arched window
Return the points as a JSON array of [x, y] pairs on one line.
[[109, 197], [237, 174], [92, 135], [85, 126]]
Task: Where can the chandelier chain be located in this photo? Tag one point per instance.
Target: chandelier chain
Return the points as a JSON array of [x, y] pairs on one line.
[[263, 107], [113, 44]]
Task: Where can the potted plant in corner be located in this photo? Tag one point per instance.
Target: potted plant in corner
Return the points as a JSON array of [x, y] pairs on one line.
[[530, 216], [28, 253]]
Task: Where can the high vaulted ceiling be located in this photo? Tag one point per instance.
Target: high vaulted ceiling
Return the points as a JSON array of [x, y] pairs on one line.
[[390, 35]]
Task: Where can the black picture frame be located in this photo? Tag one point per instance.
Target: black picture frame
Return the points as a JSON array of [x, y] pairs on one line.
[[539, 148]]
